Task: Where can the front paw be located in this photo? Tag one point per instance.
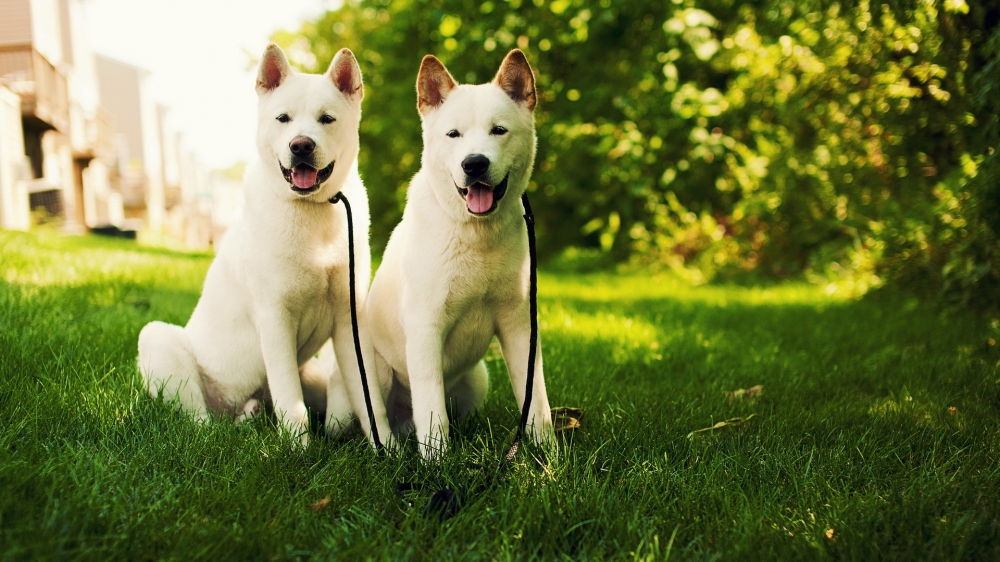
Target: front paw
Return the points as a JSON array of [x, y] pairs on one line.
[[391, 445], [299, 435], [433, 448], [295, 424], [337, 426], [302, 443], [543, 434]]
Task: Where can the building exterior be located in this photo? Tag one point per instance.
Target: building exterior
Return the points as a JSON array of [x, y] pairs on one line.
[[30, 48], [188, 189], [13, 164], [84, 144], [94, 164], [135, 119], [44, 59]]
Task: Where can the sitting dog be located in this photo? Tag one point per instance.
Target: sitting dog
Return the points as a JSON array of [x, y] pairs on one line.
[[278, 288], [455, 272]]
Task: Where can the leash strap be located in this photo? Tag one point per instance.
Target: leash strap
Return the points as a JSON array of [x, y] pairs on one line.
[[341, 198], [529, 221]]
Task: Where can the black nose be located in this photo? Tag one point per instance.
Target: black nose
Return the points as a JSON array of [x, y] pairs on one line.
[[302, 146], [475, 165]]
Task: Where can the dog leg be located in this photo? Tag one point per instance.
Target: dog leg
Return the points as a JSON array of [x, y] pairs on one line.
[[400, 409], [469, 392], [338, 414], [169, 368], [315, 378], [424, 348], [514, 333], [350, 374], [277, 343]]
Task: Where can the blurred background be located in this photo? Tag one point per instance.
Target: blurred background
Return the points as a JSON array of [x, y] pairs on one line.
[[849, 143], [131, 118]]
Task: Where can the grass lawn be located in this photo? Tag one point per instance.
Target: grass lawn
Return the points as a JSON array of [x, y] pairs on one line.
[[877, 434]]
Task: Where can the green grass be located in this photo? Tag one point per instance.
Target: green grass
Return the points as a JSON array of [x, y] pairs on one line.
[[853, 433]]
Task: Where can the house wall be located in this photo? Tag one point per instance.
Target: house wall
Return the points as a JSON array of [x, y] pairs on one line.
[[118, 87], [136, 122], [46, 30], [15, 23], [14, 212]]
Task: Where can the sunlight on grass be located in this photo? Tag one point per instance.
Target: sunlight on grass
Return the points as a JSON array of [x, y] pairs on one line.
[[51, 259], [631, 338], [626, 288]]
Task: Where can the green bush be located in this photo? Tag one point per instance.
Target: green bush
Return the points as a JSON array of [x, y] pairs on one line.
[[849, 142]]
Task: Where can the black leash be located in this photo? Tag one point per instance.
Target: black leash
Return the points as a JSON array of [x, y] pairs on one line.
[[529, 221], [340, 197]]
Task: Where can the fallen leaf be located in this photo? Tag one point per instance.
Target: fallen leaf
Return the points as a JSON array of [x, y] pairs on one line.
[[319, 505], [731, 422], [752, 393], [566, 419]]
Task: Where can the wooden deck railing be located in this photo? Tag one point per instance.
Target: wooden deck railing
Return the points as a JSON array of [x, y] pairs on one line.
[[43, 89]]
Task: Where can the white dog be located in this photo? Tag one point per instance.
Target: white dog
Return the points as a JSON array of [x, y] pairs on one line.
[[278, 288], [455, 272]]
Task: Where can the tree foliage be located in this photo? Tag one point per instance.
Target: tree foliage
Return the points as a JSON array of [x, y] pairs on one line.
[[851, 142]]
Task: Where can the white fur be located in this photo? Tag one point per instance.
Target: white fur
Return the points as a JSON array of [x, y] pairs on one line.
[[450, 281], [278, 288]]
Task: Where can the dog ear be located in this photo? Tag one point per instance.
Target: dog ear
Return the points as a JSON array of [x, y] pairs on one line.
[[434, 83], [515, 78], [273, 69], [346, 74]]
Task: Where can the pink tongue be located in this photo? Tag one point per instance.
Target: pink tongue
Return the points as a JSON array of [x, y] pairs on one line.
[[480, 198], [304, 176]]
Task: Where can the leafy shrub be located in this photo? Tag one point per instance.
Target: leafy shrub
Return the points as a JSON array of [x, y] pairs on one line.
[[850, 142]]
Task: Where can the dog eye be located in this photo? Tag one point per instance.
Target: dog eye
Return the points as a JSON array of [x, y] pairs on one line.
[[284, 118], [454, 134], [326, 119], [498, 130]]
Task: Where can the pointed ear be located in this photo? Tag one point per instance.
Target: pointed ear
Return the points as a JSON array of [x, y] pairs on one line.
[[434, 83], [346, 74], [273, 69], [515, 78]]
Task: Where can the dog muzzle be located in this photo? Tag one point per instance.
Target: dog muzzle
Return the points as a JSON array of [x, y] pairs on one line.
[[304, 179], [481, 199]]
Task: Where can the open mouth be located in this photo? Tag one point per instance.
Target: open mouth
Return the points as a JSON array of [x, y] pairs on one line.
[[304, 179], [481, 199]]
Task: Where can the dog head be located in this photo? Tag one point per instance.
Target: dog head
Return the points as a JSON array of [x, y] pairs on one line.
[[479, 141], [307, 129]]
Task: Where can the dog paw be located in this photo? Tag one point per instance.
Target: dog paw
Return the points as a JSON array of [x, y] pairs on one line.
[[302, 443], [392, 445], [433, 452], [543, 435], [299, 436], [337, 426], [297, 431], [250, 411]]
